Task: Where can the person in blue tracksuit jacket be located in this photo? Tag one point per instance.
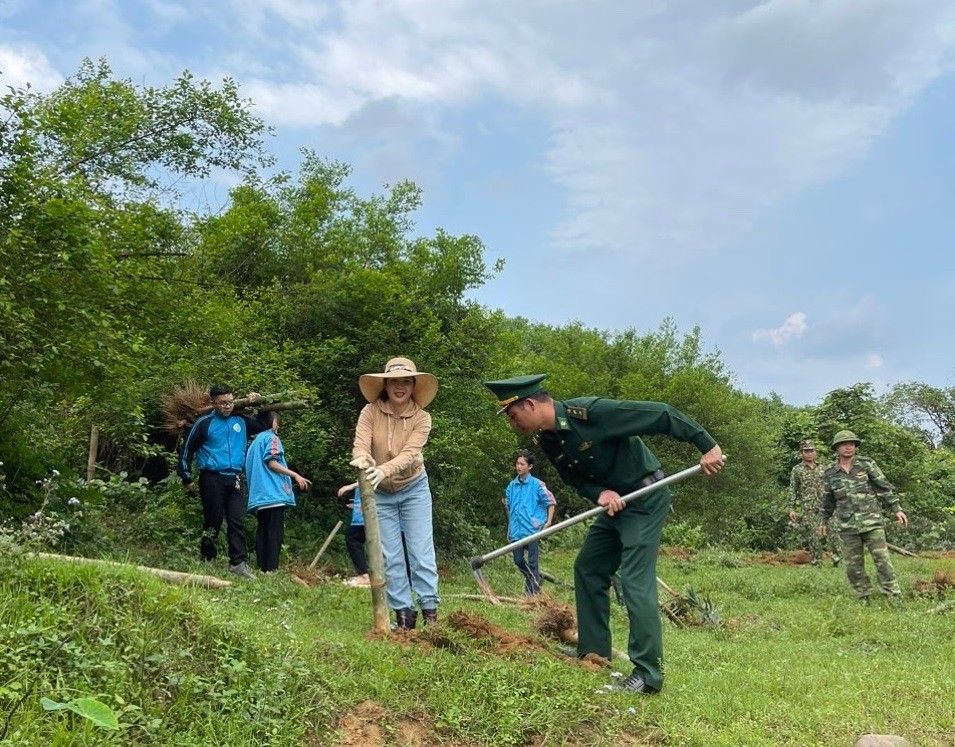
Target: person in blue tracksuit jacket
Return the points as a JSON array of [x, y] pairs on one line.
[[530, 508], [270, 491], [217, 442]]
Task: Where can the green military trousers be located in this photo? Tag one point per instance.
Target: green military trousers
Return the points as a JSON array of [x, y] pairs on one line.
[[854, 545], [628, 541]]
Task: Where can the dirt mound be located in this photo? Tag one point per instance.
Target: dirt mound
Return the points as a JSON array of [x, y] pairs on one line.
[[302, 575], [794, 557], [369, 724], [556, 621], [678, 553], [938, 554], [935, 587], [463, 632]]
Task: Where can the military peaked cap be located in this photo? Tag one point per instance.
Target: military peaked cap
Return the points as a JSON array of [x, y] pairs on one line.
[[806, 445], [509, 391]]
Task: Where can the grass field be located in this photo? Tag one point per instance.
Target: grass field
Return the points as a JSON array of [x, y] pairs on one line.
[[795, 660]]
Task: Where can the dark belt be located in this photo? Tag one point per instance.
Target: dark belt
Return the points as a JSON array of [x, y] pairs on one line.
[[650, 479]]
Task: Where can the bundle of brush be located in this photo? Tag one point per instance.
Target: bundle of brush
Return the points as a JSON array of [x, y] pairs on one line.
[[185, 403]]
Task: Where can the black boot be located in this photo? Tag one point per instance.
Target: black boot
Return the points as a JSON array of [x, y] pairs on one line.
[[429, 616], [407, 619]]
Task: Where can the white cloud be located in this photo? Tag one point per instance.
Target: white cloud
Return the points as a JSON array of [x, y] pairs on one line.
[[791, 329], [704, 125], [299, 104], [874, 360], [22, 64], [672, 129]]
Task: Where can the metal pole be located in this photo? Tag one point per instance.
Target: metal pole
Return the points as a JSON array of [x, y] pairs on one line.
[[478, 560]]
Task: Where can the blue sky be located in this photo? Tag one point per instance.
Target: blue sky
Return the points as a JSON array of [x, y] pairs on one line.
[[778, 173]]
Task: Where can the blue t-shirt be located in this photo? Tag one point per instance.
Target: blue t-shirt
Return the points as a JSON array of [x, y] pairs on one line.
[[267, 488], [357, 517], [527, 503]]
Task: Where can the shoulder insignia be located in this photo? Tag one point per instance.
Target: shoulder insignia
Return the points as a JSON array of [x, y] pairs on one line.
[[580, 413], [562, 422], [586, 445]]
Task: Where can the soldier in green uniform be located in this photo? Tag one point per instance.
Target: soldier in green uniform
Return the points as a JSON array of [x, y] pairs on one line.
[[805, 500], [595, 445], [852, 489]]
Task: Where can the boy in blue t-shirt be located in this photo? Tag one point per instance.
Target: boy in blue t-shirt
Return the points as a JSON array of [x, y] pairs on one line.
[[355, 538], [530, 508], [270, 490]]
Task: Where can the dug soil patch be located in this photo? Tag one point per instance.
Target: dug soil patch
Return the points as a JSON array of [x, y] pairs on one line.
[[794, 557]]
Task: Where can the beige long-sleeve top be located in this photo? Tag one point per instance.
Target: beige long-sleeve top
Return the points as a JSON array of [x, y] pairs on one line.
[[393, 441]]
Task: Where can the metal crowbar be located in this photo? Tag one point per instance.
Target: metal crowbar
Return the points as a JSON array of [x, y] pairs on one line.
[[479, 560]]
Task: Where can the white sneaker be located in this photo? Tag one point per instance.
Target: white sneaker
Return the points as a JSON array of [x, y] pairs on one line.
[[242, 571], [359, 581]]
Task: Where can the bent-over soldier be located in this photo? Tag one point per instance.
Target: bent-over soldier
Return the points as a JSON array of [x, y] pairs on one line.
[[595, 445]]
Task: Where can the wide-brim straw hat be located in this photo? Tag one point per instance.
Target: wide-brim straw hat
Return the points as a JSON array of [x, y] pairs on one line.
[[425, 387]]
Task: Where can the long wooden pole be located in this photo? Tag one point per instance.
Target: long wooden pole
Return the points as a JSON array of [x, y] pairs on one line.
[[376, 563], [901, 550], [173, 577]]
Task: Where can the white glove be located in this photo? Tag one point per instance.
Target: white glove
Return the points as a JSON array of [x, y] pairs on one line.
[[362, 462], [375, 475]]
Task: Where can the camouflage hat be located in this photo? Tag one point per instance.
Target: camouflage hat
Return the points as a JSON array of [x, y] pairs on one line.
[[807, 445], [845, 437], [509, 391]]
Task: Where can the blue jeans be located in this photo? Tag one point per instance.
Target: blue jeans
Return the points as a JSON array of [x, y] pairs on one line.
[[530, 569], [408, 510]]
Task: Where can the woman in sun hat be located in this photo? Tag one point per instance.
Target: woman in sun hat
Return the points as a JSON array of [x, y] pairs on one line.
[[391, 432]]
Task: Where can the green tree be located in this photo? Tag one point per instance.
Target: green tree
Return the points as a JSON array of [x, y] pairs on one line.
[[928, 409], [91, 245]]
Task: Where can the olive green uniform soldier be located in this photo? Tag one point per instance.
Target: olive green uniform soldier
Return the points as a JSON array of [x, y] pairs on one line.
[[595, 445], [805, 500], [852, 489]]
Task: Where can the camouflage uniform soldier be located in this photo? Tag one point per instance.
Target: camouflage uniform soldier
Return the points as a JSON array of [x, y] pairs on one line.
[[852, 489], [805, 500]]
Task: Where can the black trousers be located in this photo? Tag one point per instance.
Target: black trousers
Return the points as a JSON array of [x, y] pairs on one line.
[[222, 499], [269, 537], [355, 544]]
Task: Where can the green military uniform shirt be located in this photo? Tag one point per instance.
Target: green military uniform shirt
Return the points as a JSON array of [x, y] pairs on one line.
[[854, 496], [596, 445], [806, 488]]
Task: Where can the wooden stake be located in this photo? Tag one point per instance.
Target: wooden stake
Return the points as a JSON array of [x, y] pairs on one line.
[[376, 563], [91, 457], [324, 547]]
